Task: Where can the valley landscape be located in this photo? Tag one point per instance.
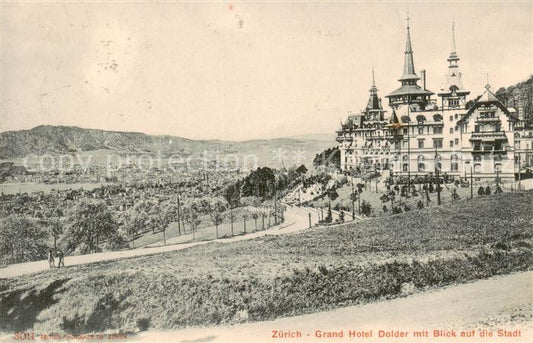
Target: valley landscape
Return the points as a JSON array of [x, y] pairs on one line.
[[217, 172]]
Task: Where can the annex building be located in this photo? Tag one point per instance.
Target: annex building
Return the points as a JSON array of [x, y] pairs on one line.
[[424, 131]]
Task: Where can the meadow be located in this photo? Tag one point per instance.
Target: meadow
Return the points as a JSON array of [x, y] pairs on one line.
[[275, 276]]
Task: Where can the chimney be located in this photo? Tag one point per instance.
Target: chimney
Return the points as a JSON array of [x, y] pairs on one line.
[[423, 73]]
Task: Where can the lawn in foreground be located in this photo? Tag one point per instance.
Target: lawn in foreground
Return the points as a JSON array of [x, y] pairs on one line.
[[276, 276]]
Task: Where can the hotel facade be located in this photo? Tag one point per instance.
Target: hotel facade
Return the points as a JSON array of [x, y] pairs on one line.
[[423, 134]]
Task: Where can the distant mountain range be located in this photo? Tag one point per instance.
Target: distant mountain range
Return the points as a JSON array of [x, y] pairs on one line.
[[69, 139]]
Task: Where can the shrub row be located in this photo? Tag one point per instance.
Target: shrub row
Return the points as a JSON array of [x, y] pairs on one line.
[[141, 300]]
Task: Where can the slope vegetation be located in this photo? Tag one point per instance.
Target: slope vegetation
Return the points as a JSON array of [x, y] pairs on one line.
[[270, 277]]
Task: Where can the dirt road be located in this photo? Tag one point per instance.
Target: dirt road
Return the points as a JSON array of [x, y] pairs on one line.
[[296, 219], [488, 304]]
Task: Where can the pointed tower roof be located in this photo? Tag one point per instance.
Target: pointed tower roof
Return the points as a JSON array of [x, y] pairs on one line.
[[373, 101], [408, 64], [409, 92], [453, 52], [373, 87], [453, 85]]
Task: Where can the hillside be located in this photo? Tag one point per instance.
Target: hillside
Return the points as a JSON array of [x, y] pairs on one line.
[[65, 139], [69, 139], [520, 97], [277, 276]]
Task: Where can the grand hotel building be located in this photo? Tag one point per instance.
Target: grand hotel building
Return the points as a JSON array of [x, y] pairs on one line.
[[421, 133]]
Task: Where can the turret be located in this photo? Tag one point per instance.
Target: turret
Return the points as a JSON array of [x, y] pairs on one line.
[[453, 93], [410, 93]]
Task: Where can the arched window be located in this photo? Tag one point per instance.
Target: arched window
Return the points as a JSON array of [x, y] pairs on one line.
[[405, 167], [498, 167], [437, 117], [477, 168], [421, 167], [454, 157], [420, 158], [454, 166]]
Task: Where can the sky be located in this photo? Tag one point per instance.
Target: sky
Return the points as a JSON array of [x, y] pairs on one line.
[[239, 70]]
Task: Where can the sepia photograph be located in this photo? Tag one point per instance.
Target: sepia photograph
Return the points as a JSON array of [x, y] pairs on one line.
[[266, 171]]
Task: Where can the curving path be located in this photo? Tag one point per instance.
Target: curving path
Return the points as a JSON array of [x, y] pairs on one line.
[[296, 219], [485, 304]]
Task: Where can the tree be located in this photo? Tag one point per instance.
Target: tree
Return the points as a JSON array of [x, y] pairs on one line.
[[90, 224], [231, 217], [193, 220], [301, 170], [232, 194], [487, 190], [134, 221], [217, 219], [329, 157], [329, 214], [455, 196], [366, 208], [55, 228], [21, 240], [481, 191], [341, 216], [260, 182], [332, 193], [244, 217], [420, 204], [255, 216], [216, 215]]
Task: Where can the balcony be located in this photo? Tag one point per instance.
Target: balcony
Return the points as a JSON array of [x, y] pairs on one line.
[[488, 136], [341, 139], [488, 120], [488, 150]]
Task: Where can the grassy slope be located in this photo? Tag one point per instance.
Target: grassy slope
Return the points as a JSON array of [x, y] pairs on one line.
[[374, 200], [269, 277]]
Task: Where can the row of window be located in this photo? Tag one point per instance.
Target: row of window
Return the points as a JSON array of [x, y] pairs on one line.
[[496, 127], [454, 166], [436, 130], [437, 142]]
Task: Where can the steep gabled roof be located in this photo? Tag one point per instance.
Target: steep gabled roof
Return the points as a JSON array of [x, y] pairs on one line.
[[487, 98]]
